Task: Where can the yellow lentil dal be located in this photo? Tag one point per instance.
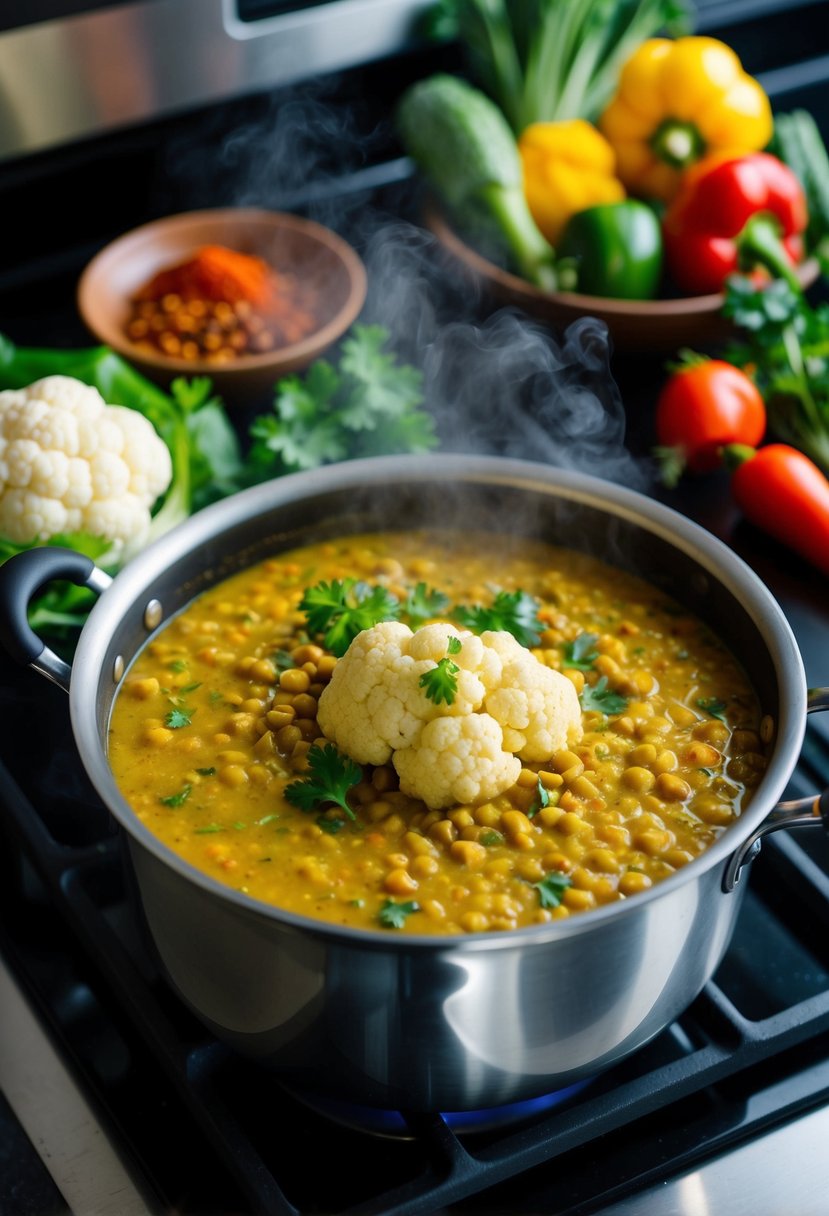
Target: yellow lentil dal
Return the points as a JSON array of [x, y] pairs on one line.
[[218, 713]]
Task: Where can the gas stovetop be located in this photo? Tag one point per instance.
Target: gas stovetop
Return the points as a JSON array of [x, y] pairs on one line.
[[116, 1099]]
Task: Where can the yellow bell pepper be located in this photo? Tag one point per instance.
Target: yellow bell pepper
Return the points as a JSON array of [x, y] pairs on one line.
[[678, 100], [568, 166]]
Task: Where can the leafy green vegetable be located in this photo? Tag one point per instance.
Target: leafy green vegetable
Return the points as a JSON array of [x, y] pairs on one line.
[[332, 776], [551, 888], [339, 610], [179, 717], [545, 60], [513, 612], [599, 697], [441, 683], [580, 652], [784, 347], [712, 706], [366, 406], [423, 603], [178, 799], [206, 772], [393, 915]]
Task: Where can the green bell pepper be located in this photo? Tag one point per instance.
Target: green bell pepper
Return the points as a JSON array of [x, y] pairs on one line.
[[616, 249]]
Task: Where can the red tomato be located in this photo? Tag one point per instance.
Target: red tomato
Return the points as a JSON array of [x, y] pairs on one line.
[[780, 490], [704, 406]]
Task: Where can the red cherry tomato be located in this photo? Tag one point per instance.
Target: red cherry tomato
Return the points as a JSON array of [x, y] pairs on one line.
[[700, 409], [780, 490]]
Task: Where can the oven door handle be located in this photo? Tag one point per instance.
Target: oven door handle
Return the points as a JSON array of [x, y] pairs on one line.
[[809, 812], [21, 578]]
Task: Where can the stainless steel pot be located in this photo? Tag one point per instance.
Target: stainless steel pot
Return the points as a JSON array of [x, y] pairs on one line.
[[426, 1023]]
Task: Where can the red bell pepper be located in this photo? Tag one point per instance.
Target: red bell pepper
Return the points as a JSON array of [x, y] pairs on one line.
[[734, 213]]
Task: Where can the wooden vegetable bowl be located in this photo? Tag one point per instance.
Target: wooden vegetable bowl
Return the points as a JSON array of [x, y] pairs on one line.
[[635, 326], [329, 271]]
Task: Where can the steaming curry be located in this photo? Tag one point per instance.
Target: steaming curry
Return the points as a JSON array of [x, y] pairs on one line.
[[218, 717]]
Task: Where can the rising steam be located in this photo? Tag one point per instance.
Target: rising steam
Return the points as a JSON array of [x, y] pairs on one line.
[[496, 381]]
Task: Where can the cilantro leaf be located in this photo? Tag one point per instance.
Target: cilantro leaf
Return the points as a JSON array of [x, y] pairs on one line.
[[177, 799], [599, 697], [441, 682], [551, 888], [423, 603], [179, 717], [332, 776], [580, 653], [393, 915], [541, 799], [712, 706], [513, 612], [341, 609]]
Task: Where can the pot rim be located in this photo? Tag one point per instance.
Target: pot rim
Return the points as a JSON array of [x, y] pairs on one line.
[[718, 559]]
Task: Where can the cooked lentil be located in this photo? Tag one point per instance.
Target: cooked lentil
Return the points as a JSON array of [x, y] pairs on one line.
[[218, 714]]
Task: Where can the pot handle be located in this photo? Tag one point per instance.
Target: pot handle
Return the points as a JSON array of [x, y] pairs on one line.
[[809, 812], [21, 577]]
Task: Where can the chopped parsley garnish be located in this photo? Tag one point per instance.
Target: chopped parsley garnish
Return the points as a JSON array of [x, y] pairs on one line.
[[551, 888], [332, 776], [541, 799], [177, 799], [424, 603], [189, 687], [208, 830], [599, 697], [712, 706], [441, 683], [513, 612], [178, 665], [490, 837], [179, 717], [581, 652], [339, 610], [393, 915], [206, 772]]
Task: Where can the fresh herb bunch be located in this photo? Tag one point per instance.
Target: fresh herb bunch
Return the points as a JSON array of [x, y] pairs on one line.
[[545, 60], [369, 404], [784, 347]]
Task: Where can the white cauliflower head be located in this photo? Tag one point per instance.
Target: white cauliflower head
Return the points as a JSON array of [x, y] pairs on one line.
[[505, 707], [71, 463]]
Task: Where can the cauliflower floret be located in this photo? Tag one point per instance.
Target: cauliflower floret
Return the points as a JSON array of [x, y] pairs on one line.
[[505, 707], [457, 760], [70, 461], [372, 705], [537, 707]]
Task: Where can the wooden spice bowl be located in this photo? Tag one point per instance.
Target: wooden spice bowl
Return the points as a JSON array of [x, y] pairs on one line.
[[328, 269], [660, 326]]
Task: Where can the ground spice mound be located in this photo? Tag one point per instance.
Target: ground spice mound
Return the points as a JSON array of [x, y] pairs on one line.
[[220, 304]]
